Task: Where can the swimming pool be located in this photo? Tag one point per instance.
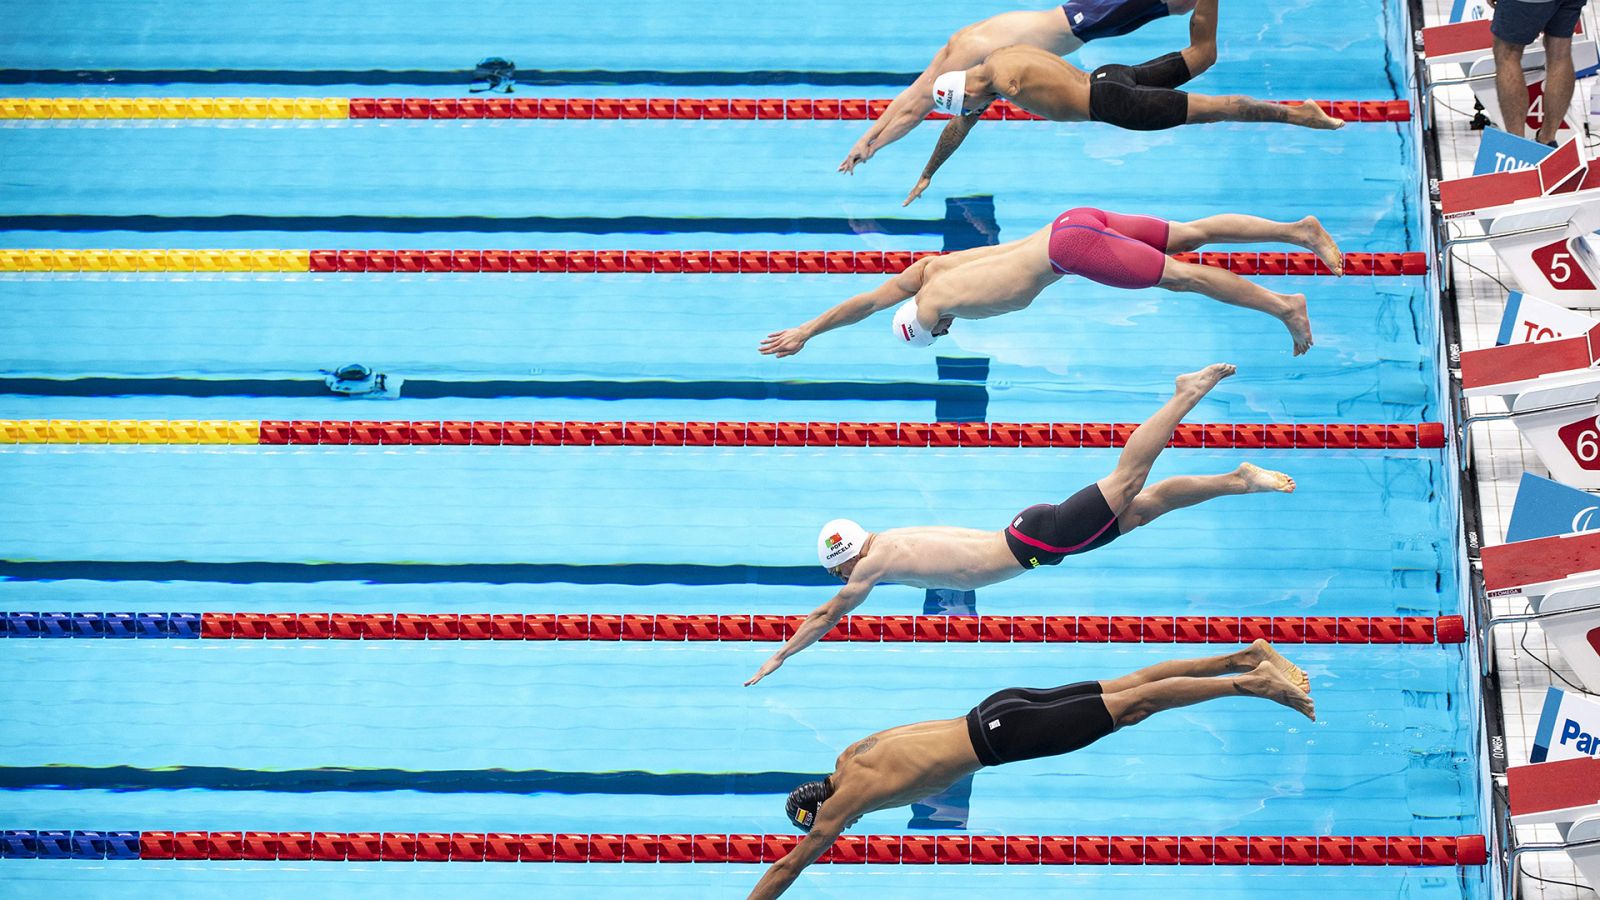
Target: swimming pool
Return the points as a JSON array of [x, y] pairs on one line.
[[588, 737]]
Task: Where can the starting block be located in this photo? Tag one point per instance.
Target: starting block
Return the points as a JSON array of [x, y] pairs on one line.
[[1552, 389], [1565, 793], [1560, 578], [1536, 221], [1471, 46]]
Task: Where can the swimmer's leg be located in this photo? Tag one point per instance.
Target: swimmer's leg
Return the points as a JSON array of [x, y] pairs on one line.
[[1202, 50], [1149, 439], [1220, 284], [1237, 228], [1188, 490], [1242, 660], [1204, 108], [1267, 681]]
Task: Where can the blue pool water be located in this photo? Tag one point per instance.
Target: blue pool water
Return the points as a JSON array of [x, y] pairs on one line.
[[642, 737]]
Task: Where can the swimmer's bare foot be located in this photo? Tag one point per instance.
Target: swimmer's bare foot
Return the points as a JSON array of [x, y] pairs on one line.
[[1312, 236], [1310, 115], [1201, 382], [1270, 683], [1263, 652], [1298, 321], [1258, 480]]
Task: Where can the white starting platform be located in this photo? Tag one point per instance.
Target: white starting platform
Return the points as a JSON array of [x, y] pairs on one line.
[[1552, 389], [1560, 579], [1566, 793], [1470, 46], [1536, 220]]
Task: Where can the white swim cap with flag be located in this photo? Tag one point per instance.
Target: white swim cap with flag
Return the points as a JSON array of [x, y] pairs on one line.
[[949, 92], [839, 541], [908, 329]]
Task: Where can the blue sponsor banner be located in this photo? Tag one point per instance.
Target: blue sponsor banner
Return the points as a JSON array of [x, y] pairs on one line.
[[1569, 728], [1546, 508], [1501, 152], [1508, 319]]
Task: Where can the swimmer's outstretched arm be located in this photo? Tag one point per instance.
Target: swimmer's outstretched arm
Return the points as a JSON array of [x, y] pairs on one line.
[[954, 133], [905, 113], [901, 287], [823, 618], [829, 825]]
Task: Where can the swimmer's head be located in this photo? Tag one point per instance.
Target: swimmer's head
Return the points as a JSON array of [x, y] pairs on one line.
[[910, 332], [805, 800], [839, 542], [950, 92]]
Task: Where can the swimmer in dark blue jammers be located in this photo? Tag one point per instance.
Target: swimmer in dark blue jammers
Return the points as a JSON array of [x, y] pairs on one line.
[[1139, 98], [1059, 30], [1042, 535], [906, 764]]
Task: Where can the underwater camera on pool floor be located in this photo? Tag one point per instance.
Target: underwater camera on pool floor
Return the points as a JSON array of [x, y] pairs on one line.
[[356, 380], [495, 74]]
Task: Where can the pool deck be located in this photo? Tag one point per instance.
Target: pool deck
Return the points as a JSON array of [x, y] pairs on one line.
[[1501, 457]]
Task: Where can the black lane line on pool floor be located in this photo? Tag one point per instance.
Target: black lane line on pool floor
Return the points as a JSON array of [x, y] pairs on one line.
[[458, 77], [968, 222], [629, 574], [955, 401], [436, 781]]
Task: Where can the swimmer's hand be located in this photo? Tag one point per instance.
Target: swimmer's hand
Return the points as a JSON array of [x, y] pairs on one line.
[[922, 185], [767, 668], [856, 157], [787, 342]]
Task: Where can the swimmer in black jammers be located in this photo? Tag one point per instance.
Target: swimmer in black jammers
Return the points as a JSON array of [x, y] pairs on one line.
[[905, 764], [1059, 30], [1139, 98], [1042, 535]]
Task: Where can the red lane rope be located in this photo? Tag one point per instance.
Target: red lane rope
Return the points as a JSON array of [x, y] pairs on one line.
[[892, 849], [735, 108], [783, 262], [1241, 436], [851, 629]]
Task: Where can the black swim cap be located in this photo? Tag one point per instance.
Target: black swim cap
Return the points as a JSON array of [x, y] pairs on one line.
[[804, 801]]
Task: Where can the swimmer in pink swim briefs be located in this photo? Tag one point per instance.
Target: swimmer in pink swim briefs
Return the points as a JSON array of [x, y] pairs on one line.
[[1119, 250]]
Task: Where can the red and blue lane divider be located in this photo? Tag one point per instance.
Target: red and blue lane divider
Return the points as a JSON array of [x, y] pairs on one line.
[[741, 108], [872, 849], [939, 629]]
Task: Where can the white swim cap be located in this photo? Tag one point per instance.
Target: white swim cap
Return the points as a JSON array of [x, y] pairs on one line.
[[908, 329], [839, 542], [949, 92]]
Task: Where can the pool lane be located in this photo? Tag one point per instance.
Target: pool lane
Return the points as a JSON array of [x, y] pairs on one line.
[[1082, 351], [1380, 759], [1380, 525], [703, 169], [1262, 46]]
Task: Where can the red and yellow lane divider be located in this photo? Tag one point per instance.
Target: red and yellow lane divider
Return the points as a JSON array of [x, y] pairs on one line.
[[129, 431], [558, 108], [112, 260], [635, 262], [174, 108], [1060, 435]]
